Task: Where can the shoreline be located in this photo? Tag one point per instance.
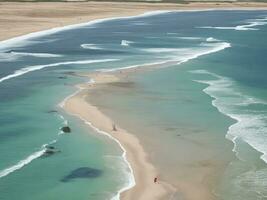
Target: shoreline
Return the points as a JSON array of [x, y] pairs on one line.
[[142, 172], [19, 18], [73, 105]]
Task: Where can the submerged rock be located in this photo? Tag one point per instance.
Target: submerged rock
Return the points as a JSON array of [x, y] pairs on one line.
[[62, 77], [66, 129], [50, 150], [50, 147], [52, 111], [82, 172], [9, 51]]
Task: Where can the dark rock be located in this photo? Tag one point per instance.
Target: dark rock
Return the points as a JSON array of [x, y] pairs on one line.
[[9, 51], [70, 73], [52, 111], [62, 77], [50, 150], [66, 129], [82, 172]]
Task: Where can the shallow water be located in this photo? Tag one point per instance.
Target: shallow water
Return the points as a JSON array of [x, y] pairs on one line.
[[188, 107]]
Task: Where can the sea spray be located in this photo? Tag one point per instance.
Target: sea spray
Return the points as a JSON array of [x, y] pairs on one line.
[[126, 43]]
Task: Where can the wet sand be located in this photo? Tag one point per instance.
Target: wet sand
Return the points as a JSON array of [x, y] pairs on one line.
[[144, 172], [204, 172]]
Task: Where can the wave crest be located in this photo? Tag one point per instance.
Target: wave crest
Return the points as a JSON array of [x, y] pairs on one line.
[[38, 67], [250, 124], [91, 46]]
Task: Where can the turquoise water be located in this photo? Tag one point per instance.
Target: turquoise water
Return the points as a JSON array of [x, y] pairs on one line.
[[192, 107]]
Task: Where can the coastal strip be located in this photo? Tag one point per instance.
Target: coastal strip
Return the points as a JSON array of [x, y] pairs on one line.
[[20, 18], [142, 184], [140, 167]]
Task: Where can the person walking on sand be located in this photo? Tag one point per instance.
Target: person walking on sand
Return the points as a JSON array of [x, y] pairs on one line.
[[155, 180], [114, 127]]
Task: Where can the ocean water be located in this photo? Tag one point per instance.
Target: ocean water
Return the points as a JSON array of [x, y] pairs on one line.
[[208, 105]]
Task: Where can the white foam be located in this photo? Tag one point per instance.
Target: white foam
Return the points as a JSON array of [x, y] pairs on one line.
[[25, 161], [13, 55], [126, 42], [91, 46], [219, 27], [250, 126], [213, 48], [62, 104], [131, 180], [38, 67], [22, 163], [211, 39], [24, 39], [179, 55], [4, 57], [160, 50], [244, 27], [40, 55], [189, 38], [254, 181], [140, 23], [169, 33]]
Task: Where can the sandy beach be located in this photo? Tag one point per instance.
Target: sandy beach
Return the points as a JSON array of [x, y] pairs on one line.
[[17, 19], [144, 172], [83, 105]]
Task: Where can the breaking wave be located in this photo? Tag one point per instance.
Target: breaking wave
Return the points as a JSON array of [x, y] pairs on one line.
[[25, 161], [126, 43], [250, 24], [250, 124], [38, 67], [91, 46]]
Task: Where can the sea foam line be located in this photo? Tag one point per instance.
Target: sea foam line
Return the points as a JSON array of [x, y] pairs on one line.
[[40, 55], [38, 67], [25, 161], [22, 163], [249, 126], [131, 179], [13, 41], [126, 42], [245, 27], [90, 46], [33, 156], [214, 47]]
